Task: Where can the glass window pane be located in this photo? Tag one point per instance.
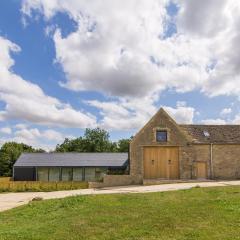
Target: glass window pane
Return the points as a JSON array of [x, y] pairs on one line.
[[100, 172], [90, 174], [66, 174], [161, 136], [54, 174], [42, 174], [77, 174]]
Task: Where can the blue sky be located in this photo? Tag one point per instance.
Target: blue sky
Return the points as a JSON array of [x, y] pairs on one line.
[[68, 65]]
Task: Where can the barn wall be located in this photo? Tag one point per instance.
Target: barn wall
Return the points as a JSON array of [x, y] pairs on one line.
[[146, 137], [226, 161], [201, 153]]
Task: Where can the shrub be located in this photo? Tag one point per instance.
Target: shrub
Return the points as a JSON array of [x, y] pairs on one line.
[[32, 186]]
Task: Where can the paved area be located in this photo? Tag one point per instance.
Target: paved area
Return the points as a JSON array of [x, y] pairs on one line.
[[11, 200]]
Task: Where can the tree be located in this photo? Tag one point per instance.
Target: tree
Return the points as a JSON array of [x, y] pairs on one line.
[[123, 145], [97, 140], [9, 153], [94, 140]]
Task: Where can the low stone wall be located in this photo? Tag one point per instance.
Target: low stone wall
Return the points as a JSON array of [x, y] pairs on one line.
[[116, 180]]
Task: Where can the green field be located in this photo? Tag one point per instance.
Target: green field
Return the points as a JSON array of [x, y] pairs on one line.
[[199, 213]]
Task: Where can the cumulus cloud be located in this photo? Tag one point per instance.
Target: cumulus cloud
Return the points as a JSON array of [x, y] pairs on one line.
[[27, 101], [46, 139], [226, 111], [216, 121], [6, 130], [20, 126], [124, 114], [133, 114], [197, 17], [182, 113], [121, 48], [220, 34]]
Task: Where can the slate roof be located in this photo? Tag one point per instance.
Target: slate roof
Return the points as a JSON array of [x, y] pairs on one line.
[[213, 133], [72, 160]]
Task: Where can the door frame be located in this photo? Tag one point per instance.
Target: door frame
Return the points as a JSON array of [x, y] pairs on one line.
[[161, 146]]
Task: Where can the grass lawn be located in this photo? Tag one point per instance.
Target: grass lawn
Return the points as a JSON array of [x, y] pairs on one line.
[[199, 213]]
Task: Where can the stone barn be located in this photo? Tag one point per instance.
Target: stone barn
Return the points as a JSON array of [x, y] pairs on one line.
[[164, 149]]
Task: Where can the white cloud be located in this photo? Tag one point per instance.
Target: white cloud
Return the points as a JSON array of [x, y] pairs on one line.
[[205, 17], [27, 101], [46, 139], [6, 130], [225, 111], [119, 47], [217, 121], [182, 113], [124, 114], [133, 114], [20, 126]]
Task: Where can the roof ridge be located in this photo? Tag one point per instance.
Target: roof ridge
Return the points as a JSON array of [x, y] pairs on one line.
[[209, 125], [73, 152]]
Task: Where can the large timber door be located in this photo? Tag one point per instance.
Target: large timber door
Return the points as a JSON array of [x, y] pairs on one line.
[[161, 162]]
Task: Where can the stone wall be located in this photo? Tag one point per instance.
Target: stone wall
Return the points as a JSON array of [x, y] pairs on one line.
[[116, 180], [201, 153], [186, 157], [226, 161], [146, 137]]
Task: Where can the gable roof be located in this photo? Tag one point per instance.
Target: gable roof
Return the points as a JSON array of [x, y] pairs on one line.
[[161, 112], [72, 160], [212, 133]]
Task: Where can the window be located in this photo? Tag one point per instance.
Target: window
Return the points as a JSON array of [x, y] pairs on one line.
[[66, 174], [77, 174], [54, 174], [161, 136], [100, 172], [42, 174], [90, 174], [206, 133]]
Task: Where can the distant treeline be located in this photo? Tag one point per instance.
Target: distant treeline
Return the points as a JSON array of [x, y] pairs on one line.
[[93, 140]]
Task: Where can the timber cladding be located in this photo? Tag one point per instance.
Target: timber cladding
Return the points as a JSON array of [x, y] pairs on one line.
[[161, 162], [189, 152]]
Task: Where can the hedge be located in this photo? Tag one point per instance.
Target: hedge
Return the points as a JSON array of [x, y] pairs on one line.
[[32, 186]]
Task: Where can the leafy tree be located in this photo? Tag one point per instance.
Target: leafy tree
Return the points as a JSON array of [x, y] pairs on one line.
[[97, 140], [123, 145], [94, 140], [9, 153]]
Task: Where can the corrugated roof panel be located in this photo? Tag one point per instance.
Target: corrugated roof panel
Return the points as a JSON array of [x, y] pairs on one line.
[[72, 159]]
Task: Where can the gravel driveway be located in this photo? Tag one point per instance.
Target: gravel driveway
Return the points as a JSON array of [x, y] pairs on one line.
[[11, 200]]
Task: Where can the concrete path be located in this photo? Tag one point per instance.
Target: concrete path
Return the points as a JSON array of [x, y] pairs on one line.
[[11, 200]]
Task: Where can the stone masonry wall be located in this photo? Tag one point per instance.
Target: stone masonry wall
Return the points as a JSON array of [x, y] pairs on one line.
[[146, 137], [226, 161], [116, 180]]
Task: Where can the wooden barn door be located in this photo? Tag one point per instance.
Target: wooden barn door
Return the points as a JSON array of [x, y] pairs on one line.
[[161, 162]]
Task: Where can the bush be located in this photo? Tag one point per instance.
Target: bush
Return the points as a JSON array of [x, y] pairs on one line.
[[4, 179], [32, 186]]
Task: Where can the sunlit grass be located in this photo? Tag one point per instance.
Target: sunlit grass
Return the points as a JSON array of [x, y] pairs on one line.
[[198, 213]]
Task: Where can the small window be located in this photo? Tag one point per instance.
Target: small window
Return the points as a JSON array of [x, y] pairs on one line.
[[161, 136], [53, 174]]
